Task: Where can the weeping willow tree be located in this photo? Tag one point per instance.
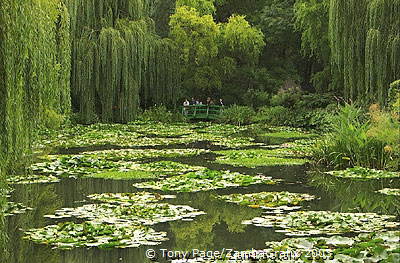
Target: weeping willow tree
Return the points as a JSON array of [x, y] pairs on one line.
[[34, 72], [119, 63], [365, 44]]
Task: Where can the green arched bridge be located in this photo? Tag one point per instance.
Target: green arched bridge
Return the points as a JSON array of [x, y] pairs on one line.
[[203, 112]]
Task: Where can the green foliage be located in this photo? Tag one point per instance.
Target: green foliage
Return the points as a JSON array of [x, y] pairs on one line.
[[119, 61], [365, 45], [210, 52], [238, 115], [241, 40], [204, 7], [360, 140], [51, 119], [296, 109], [160, 114], [312, 17], [34, 72], [276, 115], [195, 35], [312, 20]]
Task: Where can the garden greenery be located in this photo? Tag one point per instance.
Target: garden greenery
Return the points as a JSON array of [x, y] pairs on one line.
[[361, 139]]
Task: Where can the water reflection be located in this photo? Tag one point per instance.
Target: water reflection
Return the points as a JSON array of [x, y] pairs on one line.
[[220, 228], [44, 200], [355, 195], [3, 233]]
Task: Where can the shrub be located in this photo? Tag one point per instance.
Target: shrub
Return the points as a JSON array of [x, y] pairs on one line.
[[238, 115], [51, 119], [359, 139], [160, 114], [286, 98], [277, 115]]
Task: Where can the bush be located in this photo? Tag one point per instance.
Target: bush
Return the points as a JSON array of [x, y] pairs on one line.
[[359, 139], [238, 115], [277, 115], [51, 119], [160, 114], [286, 98]]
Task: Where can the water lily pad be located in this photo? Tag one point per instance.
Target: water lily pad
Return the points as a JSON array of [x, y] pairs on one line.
[[269, 200], [205, 180], [306, 223], [259, 157], [32, 179], [364, 173], [389, 191], [129, 198], [12, 208], [371, 247], [112, 160], [128, 213], [89, 234]]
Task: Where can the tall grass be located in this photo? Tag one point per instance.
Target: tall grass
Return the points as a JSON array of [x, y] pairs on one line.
[[360, 139]]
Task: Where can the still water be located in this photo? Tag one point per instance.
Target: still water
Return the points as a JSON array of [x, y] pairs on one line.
[[219, 229]]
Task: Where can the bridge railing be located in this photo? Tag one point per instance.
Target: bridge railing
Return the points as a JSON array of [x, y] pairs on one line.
[[201, 111]]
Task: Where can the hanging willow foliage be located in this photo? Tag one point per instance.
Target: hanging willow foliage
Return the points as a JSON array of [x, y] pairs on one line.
[[34, 71], [119, 63], [365, 43]]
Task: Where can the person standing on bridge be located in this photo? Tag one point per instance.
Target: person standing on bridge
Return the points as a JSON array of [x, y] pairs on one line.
[[186, 104], [221, 102]]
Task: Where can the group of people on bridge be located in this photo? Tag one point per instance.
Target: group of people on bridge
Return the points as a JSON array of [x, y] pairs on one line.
[[209, 102]]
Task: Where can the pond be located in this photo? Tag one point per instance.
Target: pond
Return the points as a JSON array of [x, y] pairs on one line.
[[221, 227]]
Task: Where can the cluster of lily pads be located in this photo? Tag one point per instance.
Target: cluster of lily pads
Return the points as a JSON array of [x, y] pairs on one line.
[[364, 173], [32, 179], [143, 134], [129, 198], [366, 247], [259, 157], [70, 235], [115, 160], [205, 180], [389, 191], [128, 214], [306, 223], [12, 208], [276, 201], [120, 220]]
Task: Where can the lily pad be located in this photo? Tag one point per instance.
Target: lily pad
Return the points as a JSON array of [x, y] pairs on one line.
[[12, 208], [259, 157], [389, 191], [371, 247], [306, 223], [32, 179], [89, 234], [205, 180], [128, 213], [129, 198], [269, 200], [364, 173], [90, 163]]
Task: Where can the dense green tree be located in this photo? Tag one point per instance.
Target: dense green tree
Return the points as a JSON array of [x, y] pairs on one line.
[[119, 63], [204, 7], [34, 73], [212, 52], [312, 20], [365, 47], [242, 41]]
